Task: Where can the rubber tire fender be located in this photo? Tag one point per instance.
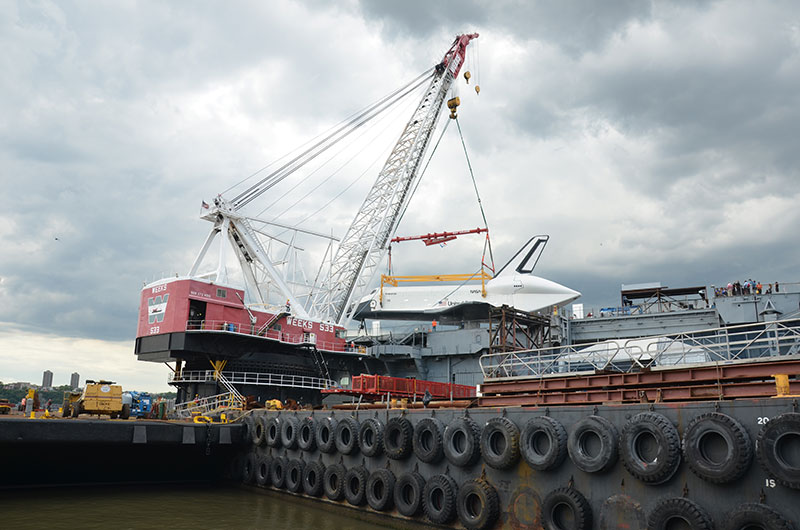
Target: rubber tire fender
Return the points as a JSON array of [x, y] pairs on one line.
[[259, 430], [246, 433], [500, 443], [680, 508], [346, 436], [262, 470], [531, 443], [608, 436], [439, 499], [770, 445], [294, 476], [125, 413], [249, 468], [397, 438], [739, 447], [668, 457], [333, 482], [380, 490], [574, 501], [757, 516], [277, 471], [313, 476], [306, 434], [75, 410], [326, 435], [289, 431], [477, 504], [408, 492], [272, 431], [427, 442], [370, 437], [461, 440], [355, 485]]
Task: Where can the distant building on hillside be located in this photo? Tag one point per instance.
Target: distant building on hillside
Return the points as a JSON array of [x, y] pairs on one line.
[[17, 386], [47, 379], [75, 380]]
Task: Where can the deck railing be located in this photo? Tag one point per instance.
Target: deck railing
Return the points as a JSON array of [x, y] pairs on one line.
[[749, 341], [224, 326], [253, 378], [208, 405]]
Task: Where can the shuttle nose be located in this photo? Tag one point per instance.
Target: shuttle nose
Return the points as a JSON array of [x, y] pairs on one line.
[[569, 294]]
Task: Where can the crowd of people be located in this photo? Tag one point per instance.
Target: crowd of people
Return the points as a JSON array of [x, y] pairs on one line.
[[748, 287]]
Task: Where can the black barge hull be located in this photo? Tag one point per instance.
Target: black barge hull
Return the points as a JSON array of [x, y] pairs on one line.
[[659, 459]]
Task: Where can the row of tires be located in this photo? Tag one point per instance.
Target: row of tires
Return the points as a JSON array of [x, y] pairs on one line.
[[475, 502], [715, 446]]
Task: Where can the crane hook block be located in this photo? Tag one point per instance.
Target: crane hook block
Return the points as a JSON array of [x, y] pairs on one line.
[[467, 75], [453, 104], [477, 89]]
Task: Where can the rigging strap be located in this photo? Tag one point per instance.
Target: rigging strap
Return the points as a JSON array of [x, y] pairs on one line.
[[478, 195], [422, 173]]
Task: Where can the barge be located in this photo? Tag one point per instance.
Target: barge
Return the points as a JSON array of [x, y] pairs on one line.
[[676, 409], [636, 439]]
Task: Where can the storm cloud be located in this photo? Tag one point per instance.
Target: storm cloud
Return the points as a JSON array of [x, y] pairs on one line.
[[654, 141]]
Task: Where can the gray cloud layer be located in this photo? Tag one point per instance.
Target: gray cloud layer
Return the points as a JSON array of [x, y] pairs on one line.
[[653, 141]]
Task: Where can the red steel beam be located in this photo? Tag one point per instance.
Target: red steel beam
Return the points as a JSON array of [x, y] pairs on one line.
[[649, 395], [732, 372]]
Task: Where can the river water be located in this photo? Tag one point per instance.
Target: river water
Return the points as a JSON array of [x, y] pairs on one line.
[[172, 507]]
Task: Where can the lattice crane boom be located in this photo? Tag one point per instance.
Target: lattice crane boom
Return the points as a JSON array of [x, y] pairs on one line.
[[364, 246]]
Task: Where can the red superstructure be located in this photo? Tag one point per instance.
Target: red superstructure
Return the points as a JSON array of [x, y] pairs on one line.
[[188, 305]]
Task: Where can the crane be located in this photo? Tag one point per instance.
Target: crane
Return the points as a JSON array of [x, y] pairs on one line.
[[361, 250], [364, 245]]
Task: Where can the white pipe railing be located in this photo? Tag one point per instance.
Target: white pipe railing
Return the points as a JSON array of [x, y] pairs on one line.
[[747, 341], [253, 378], [224, 326], [208, 404]]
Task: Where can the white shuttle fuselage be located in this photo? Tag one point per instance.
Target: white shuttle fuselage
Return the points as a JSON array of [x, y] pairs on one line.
[[514, 285]]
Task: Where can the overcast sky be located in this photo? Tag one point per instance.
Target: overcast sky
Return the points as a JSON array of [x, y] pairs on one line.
[[651, 141]]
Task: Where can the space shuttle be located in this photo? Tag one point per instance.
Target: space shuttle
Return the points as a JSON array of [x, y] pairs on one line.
[[514, 285]]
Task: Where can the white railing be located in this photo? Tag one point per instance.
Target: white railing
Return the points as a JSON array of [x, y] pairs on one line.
[[208, 404], [749, 341], [253, 378], [224, 326], [241, 401]]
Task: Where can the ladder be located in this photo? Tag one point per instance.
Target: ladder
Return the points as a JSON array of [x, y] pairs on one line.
[[236, 397]]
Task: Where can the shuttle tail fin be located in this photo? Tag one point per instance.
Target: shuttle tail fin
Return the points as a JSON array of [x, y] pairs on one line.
[[526, 258]]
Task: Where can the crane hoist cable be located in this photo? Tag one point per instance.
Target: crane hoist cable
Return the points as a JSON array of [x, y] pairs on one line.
[[477, 194], [290, 167], [422, 173], [380, 156], [284, 196], [326, 143], [339, 127]]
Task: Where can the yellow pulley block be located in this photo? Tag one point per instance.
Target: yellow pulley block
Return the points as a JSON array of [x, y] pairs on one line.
[[453, 104], [467, 75], [477, 89]]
